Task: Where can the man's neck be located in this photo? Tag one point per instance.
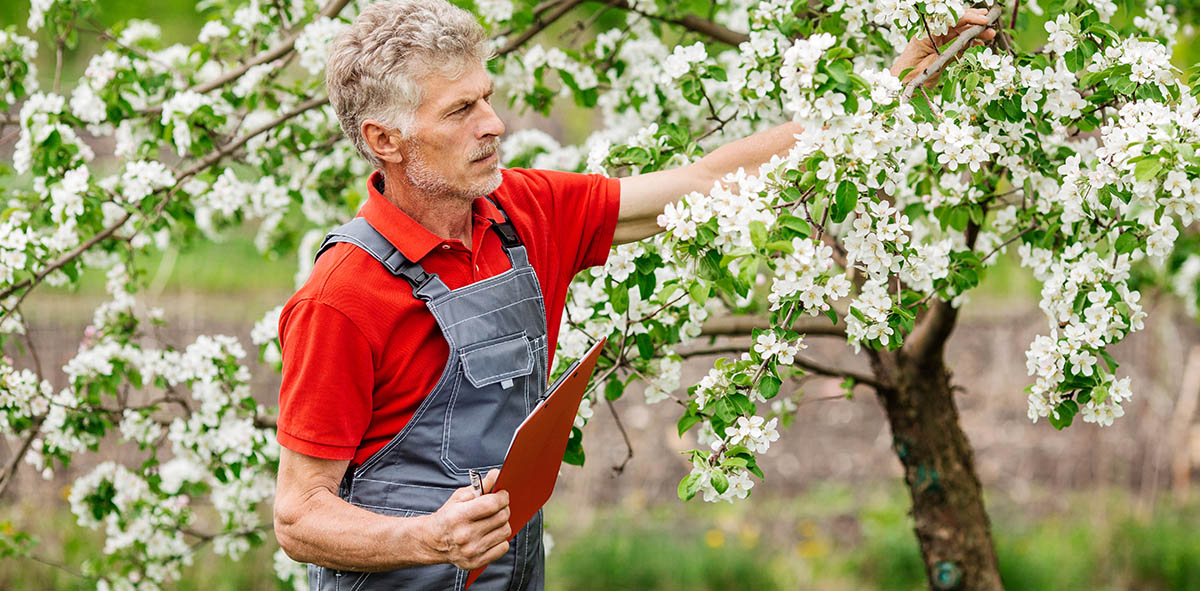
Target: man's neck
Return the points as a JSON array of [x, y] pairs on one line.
[[447, 217]]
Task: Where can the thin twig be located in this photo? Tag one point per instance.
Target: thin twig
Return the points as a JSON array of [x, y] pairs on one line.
[[60, 566], [58, 64], [928, 32], [962, 41], [628, 444], [11, 467], [1009, 241]]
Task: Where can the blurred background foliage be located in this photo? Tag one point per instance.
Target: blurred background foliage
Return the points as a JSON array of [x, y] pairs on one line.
[[827, 535]]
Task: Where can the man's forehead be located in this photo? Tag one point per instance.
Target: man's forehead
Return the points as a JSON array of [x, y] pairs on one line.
[[444, 91]]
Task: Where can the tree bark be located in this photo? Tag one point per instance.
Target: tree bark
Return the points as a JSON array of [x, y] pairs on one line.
[[950, 521]]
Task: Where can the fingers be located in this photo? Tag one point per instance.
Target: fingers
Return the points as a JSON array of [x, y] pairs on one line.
[[493, 554], [484, 507], [920, 67], [970, 18], [461, 495], [489, 481], [493, 521]]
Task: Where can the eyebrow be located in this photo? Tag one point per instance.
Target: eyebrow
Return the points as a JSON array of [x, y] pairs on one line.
[[462, 102]]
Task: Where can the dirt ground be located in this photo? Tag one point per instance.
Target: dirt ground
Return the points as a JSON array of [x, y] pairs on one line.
[[831, 440]]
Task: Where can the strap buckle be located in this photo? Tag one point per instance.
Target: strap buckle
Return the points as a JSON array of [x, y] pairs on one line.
[[508, 234]]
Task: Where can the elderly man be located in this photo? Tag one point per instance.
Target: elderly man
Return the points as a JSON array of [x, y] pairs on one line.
[[423, 336]]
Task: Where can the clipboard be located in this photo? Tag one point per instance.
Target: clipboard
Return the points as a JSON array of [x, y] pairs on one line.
[[530, 467]]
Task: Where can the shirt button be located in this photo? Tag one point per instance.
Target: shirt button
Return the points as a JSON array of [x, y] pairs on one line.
[[445, 246]]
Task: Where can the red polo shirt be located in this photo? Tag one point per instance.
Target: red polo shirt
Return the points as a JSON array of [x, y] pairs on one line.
[[360, 353]]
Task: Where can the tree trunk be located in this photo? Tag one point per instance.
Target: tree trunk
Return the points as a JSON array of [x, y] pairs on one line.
[[951, 524]]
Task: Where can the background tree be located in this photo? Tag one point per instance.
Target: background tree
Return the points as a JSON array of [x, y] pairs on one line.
[[1080, 154]]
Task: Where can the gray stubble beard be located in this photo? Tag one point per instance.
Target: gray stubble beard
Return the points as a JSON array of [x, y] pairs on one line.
[[425, 178]]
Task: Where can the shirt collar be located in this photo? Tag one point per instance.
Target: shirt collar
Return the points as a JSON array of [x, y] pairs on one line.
[[412, 239]]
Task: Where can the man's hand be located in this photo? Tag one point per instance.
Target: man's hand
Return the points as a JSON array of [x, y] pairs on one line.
[[470, 531], [921, 52]]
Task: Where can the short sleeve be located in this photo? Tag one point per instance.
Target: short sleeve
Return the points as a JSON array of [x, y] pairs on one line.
[[328, 378], [583, 214]]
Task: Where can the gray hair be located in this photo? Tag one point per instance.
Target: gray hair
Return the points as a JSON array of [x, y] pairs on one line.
[[375, 66]]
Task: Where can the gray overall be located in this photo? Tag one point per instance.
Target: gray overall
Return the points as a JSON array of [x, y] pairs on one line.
[[495, 374]]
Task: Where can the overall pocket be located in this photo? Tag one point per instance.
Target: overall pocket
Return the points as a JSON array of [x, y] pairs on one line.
[[491, 400]]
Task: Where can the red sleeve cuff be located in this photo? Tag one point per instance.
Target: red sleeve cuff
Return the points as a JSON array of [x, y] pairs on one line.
[[313, 449], [597, 253]]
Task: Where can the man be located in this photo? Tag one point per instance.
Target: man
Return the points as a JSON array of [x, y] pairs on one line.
[[423, 336]]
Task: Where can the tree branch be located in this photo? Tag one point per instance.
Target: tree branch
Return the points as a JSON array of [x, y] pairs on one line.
[[330, 10], [811, 366], [744, 325], [836, 372], [691, 22], [951, 52], [933, 330], [191, 171], [935, 326], [539, 24]]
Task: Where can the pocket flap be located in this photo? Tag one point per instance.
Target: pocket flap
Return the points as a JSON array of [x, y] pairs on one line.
[[495, 361]]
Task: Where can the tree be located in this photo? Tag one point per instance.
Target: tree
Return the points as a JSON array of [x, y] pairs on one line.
[[1079, 154]]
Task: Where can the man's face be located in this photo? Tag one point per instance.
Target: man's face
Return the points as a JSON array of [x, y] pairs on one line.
[[453, 149]]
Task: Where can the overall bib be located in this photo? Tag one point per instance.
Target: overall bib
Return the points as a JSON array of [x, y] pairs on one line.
[[494, 376]]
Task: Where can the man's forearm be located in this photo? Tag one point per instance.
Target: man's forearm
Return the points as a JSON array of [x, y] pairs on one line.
[[645, 196], [749, 153], [327, 531]]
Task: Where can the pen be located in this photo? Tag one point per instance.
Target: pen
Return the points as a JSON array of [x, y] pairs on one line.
[[476, 482]]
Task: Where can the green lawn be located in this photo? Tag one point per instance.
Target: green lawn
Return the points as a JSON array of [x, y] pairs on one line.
[[828, 538]]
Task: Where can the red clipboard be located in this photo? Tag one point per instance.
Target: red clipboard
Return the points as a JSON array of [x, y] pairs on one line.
[[531, 465]]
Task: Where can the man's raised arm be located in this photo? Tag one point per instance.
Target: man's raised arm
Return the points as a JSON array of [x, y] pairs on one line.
[[645, 196]]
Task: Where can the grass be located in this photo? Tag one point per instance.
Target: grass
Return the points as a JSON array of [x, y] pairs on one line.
[[828, 538]]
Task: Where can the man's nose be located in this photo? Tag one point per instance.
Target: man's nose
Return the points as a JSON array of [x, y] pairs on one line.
[[491, 125]]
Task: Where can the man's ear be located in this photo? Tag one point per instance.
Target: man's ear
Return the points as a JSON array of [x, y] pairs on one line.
[[382, 140]]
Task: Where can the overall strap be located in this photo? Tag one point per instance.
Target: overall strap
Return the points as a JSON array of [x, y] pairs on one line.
[[509, 238], [360, 233]]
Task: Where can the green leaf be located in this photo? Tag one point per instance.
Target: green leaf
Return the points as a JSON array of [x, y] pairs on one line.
[[769, 386], [1066, 414], [688, 421], [1108, 360], [1147, 169], [781, 246], [574, 452], [758, 234], [845, 198], [646, 283], [1127, 242], [692, 89], [613, 389], [971, 82], [689, 486], [839, 71], [922, 107], [698, 293], [645, 346], [796, 224], [719, 481]]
